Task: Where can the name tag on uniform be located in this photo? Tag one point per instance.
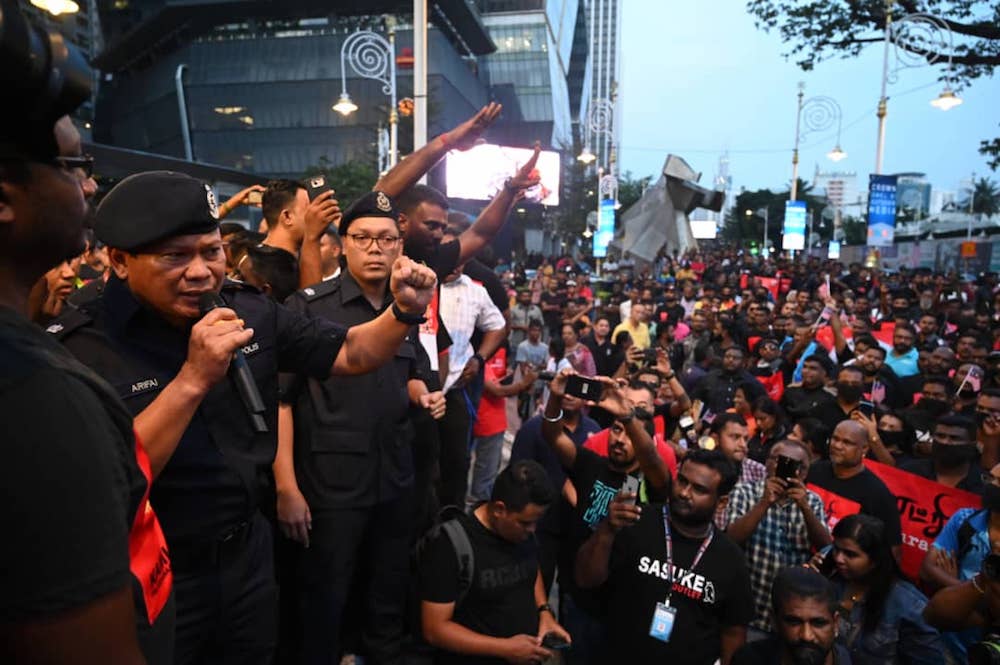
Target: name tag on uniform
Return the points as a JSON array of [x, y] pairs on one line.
[[663, 622]]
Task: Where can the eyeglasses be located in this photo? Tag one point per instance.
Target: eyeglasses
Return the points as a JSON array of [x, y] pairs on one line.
[[83, 162], [363, 241]]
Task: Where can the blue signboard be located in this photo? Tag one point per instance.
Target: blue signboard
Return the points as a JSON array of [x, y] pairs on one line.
[[794, 233], [881, 210], [605, 228]]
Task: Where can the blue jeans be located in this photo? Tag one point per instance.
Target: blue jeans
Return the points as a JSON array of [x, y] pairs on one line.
[[487, 465]]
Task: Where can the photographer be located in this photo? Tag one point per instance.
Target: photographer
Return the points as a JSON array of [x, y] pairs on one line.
[[777, 521]]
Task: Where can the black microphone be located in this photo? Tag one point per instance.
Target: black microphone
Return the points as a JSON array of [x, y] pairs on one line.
[[239, 371]]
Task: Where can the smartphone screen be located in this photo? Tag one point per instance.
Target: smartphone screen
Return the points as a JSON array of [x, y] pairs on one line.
[[254, 198]]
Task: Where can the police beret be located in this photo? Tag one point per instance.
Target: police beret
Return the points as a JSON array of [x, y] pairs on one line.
[[147, 207], [372, 204]]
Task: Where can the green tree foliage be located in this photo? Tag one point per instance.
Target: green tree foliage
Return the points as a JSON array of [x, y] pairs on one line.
[[630, 189], [351, 179], [741, 227], [817, 30], [985, 198]]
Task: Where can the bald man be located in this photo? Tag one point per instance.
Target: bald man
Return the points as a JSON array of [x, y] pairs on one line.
[[845, 474]]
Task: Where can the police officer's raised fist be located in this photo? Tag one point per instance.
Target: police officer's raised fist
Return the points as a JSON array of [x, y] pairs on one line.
[[412, 285]]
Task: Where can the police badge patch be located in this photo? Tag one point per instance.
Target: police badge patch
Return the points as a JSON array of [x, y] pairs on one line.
[[382, 202], [213, 206]]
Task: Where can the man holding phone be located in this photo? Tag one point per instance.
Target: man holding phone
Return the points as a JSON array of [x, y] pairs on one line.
[[778, 522], [596, 480]]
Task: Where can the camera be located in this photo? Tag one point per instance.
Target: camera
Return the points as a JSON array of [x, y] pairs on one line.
[[649, 356], [43, 76], [584, 388]]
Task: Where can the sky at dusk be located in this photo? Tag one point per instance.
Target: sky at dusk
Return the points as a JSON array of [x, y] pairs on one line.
[[699, 79]]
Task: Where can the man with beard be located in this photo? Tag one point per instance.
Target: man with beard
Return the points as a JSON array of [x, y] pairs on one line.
[[846, 475], [806, 609], [954, 456], [595, 480], [716, 390], [968, 383], [699, 334], [903, 358], [677, 589], [521, 315], [811, 394], [942, 361], [881, 385], [728, 434], [927, 331]]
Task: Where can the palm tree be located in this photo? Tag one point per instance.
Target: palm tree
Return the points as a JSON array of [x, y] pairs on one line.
[[985, 198]]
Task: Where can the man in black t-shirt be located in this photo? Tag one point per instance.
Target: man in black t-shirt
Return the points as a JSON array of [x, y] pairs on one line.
[[678, 590], [503, 616], [845, 474], [805, 607], [804, 399]]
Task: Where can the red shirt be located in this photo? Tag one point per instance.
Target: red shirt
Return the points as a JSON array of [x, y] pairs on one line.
[[598, 443], [492, 415]]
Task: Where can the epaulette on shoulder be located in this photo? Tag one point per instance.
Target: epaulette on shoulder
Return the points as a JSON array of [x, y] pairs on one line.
[[233, 285], [320, 290], [71, 319]]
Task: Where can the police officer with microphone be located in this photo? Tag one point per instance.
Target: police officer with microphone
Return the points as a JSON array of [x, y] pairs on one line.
[[209, 451]]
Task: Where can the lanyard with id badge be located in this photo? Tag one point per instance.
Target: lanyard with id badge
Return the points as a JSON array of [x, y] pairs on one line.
[[664, 615]]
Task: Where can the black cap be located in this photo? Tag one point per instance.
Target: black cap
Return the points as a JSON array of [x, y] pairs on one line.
[[147, 207], [372, 204]]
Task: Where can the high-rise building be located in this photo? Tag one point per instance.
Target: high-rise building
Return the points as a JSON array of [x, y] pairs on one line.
[[839, 187], [604, 19], [258, 79], [532, 65]]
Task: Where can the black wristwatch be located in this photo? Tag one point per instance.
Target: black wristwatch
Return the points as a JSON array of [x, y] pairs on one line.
[[482, 361], [408, 319], [625, 420], [546, 608]]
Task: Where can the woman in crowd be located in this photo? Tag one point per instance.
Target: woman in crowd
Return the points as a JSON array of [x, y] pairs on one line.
[[577, 354], [771, 428], [881, 620], [742, 406]]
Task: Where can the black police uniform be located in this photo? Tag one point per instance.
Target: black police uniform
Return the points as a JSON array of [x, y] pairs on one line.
[[354, 466], [207, 496]]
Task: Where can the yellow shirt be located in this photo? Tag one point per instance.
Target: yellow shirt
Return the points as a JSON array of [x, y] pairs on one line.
[[640, 334]]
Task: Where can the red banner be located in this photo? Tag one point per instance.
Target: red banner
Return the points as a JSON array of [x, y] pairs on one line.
[[924, 508], [771, 284], [835, 506]]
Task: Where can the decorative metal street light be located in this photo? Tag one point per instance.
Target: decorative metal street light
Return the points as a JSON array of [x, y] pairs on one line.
[[917, 40], [815, 114], [372, 56], [600, 121]]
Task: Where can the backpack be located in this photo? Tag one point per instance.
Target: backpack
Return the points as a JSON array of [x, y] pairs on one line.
[[447, 522]]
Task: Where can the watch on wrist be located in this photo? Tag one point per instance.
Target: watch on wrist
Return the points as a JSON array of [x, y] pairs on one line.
[[546, 608], [625, 420], [509, 185], [409, 319], [479, 357]]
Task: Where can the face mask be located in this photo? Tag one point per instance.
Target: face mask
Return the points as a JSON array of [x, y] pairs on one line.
[[935, 407], [894, 439], [950, 456], [991, 498], [848, 392], [806, 653], [981, 418]]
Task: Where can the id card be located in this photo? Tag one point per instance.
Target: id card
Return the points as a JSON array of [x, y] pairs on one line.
[[663, 622]]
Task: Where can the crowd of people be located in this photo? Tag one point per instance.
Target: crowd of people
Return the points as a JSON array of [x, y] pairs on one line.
[[355, 433]]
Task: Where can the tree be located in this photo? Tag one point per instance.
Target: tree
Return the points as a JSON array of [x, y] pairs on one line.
[[741, 227], [630, 189], [818, 30], [855, 231], [985, 198], [351, 180]]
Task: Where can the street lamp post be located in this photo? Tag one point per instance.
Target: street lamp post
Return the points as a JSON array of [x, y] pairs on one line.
[[763, 213], [600, 121], [917, 40], [372, 56], [815, 114]]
